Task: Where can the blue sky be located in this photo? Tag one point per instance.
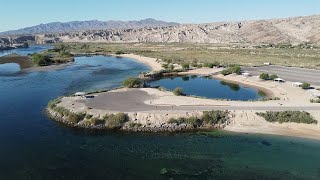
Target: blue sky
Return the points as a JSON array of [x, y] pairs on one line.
[[21, 13]]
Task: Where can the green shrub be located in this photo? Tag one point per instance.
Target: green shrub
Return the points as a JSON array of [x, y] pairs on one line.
[[76, 117], [235, 69], [133, 124], [288, 116], [66, 54], [273, 77], [215, 117], [315, 100], [194, 121], [208, 117], [178, 91], [89, 116], [165, 66], [96, 121], [119, 52], [185, 66], [226, 72], [115, 121], [132, 82], [305, 85], [264, 76], [232, 69], [40, 60], [53, 103]]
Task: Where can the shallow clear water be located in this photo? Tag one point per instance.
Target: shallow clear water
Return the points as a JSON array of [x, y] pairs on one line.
[[35, 147], [9, 68], [25, 51], [209, 88]]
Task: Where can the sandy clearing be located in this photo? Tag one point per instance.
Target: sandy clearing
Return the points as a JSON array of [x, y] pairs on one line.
[[151, 62]]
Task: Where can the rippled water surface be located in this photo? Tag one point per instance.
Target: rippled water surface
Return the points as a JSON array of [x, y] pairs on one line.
[[35, 147]]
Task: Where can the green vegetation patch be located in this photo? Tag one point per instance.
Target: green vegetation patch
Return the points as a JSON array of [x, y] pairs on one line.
[[266, 76], [288, 116], [305, 85], [178, 91], [231, 70], [115, 121], [132, 82], [208, 118], [40, 59]]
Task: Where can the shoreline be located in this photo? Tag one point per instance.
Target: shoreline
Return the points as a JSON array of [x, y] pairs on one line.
[[289, 97], [151, 62]]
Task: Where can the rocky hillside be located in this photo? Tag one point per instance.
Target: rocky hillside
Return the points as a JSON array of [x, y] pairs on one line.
[[290, 30], [58, 27]]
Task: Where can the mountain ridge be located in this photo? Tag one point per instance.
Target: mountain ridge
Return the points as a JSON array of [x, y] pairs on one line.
[[73, 26], [293, 30]]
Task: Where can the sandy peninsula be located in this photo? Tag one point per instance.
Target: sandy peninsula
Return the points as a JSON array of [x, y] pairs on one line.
[[153, 108]]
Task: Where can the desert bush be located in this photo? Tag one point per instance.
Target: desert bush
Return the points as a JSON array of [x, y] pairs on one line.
[[165, 66], [132, 82], [185, 66], [208, 117], [178, 91], [133, 124], [305, 85], [96, 121], [119, 52], [264, 76], [215, 117], [76, 117], [194, 121], [88, 116], [273, 77], [40, 60], [288, 116], [232, 69], [315, 100], [53, 103], [115, 121]]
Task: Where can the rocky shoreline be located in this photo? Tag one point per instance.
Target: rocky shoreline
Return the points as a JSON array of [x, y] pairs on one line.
[[132, 125]]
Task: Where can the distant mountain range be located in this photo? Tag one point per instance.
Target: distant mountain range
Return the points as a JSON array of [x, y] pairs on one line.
[[73, 26], [295, 30]]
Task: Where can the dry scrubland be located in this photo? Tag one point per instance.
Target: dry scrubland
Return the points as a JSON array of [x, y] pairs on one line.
[[250, 55]]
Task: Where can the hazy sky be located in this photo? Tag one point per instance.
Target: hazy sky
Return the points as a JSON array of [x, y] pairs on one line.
[[21, 13]]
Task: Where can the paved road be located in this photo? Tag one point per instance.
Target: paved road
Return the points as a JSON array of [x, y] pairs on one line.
[[293, 74], [133, 101]]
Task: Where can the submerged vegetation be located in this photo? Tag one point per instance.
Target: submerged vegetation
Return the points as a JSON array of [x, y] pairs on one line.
[[288, 116]]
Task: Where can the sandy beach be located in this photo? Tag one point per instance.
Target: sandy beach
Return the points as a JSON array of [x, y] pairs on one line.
[[151, 62]]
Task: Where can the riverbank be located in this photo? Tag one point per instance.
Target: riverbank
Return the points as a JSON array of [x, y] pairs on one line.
[[151, 62], [150, 109]]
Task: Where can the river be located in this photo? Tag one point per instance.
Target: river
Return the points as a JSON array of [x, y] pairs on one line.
[[34, 147]]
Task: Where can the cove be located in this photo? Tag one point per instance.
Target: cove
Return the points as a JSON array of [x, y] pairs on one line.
[[209, 88]]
